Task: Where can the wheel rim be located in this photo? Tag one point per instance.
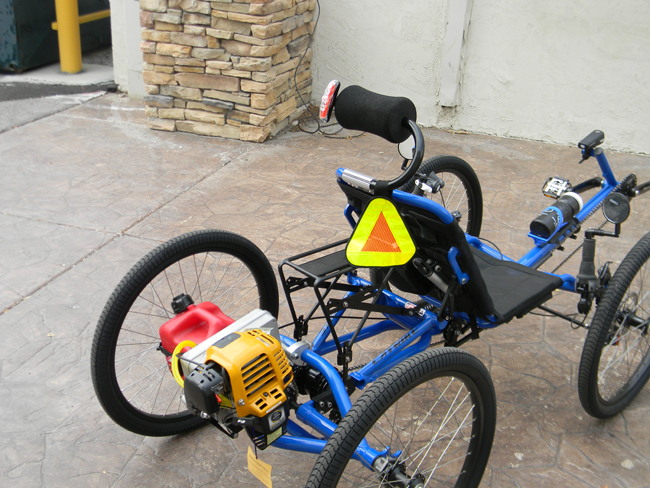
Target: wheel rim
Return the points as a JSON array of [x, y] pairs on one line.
[[436, 426], [141, 369], [454, 196], [625, 355]]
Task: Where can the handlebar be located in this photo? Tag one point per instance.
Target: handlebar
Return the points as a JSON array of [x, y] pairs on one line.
[[381, 187], [392, 118]]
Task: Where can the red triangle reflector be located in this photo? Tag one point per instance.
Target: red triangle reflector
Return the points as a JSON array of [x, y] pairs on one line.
[[381, 238]]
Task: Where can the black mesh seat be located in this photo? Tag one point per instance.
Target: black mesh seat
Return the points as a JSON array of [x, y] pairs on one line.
[[514, 289], [497, 290]]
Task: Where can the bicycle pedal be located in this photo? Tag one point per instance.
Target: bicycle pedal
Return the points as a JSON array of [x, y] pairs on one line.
[[555, 187]]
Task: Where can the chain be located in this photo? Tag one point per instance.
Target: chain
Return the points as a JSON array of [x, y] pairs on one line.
[[359, 366]]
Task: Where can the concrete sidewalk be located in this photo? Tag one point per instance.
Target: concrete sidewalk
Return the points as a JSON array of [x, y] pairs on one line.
[[40, 92], [88, 191]]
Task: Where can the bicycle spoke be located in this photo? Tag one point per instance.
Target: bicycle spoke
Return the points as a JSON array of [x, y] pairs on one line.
[[180, 268], [611, 363], [229, 291], [225, 271], [137, 353], [174, 396], [442, 425], [148, 314], [453, 191], [429, 413], [449, 444], [198, 283], [140, 333], [214, 267], [456, 418], [142, 379], [233, 312], [162, 306], [128, 368]]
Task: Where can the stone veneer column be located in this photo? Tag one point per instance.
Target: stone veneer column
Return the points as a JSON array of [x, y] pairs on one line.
[[226, 68]]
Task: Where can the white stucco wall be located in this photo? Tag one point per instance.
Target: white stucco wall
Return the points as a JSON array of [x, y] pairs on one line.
[[127, 58], [550, 71], [386, 46], [555, 70]]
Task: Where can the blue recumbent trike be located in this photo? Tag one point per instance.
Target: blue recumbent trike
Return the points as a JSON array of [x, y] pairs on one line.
[[190, 334]]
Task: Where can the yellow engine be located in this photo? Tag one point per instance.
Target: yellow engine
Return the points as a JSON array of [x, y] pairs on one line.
[[257, 368], [240, 382]]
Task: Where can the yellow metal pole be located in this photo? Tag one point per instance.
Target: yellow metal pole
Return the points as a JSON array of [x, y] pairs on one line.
[[67, 18], [84, 19]]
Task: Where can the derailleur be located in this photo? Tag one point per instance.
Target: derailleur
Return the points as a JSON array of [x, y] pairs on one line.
[[458, 332]]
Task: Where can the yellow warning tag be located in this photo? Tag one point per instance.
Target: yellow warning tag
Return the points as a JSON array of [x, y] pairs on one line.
[[380, 238], [260, 470]]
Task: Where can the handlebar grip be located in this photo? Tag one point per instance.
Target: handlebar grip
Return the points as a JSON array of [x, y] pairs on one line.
[[359, 109]]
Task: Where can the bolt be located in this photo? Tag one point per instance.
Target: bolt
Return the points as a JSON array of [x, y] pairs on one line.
[[329, 404], [463, 281], [235, 435], [321, 404], [241, 402], [345, 304]]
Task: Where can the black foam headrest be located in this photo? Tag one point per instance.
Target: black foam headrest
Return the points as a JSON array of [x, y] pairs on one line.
[[359, 109]]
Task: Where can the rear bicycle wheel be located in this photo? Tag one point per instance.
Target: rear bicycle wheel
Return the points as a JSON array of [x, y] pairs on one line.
[[436, 413], [615, 362], [130, 373], [461, 193]]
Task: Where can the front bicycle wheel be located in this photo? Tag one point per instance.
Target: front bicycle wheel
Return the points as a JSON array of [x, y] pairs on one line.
[[130, 373], [433, 419], [615, 363]]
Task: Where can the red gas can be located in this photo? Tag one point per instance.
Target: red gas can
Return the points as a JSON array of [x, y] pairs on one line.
[[195, 324]]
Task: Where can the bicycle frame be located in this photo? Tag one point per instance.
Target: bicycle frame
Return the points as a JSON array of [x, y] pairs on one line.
[[419, 329], [298, 439], [540, 253]]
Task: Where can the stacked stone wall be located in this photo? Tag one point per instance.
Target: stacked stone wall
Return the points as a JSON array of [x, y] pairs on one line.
[[227, 68]]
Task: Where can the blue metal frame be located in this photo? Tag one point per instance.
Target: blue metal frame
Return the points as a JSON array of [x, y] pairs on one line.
[[419, 329], [297, 438]]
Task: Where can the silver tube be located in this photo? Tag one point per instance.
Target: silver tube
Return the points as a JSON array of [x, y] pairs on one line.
[[438, 281], [358, 180]]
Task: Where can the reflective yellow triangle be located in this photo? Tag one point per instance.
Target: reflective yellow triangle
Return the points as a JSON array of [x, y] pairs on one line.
[[380, 239]]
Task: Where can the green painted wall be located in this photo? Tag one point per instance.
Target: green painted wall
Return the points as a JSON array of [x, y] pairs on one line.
[[26, 36]]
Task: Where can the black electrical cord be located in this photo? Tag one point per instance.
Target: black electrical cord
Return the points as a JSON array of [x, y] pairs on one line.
[[319, 127], [493, 245]]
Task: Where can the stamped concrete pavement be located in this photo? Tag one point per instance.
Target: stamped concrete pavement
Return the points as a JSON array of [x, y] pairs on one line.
[[86, 192]]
